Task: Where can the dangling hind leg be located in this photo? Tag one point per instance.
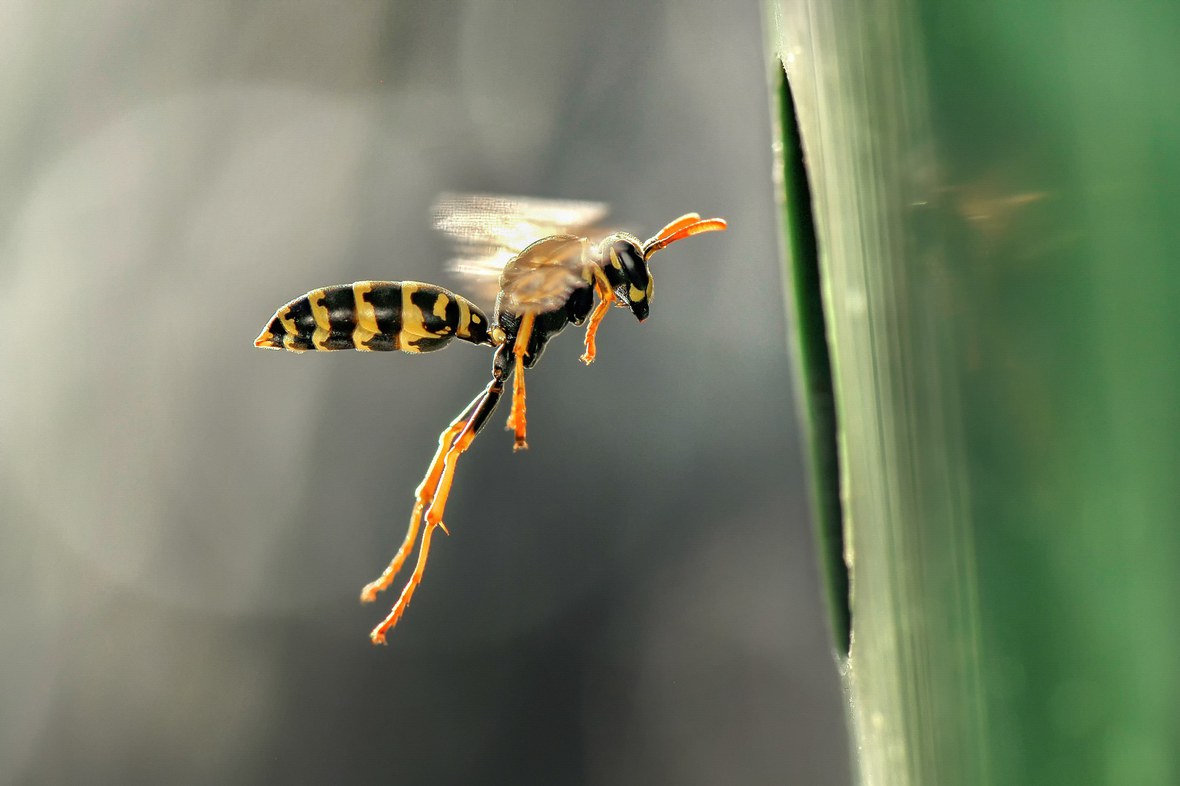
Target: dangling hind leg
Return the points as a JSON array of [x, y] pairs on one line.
[[435, 489], [434, 514], [423, 495]]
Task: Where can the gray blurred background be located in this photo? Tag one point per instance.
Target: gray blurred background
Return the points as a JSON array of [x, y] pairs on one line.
[[187, 521]]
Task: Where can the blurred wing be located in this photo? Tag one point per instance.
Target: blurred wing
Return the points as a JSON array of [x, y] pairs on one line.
[[541, 278], [488, 230]]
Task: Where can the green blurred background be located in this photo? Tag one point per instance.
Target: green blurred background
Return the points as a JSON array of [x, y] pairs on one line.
[[187, 521], [996, 191]]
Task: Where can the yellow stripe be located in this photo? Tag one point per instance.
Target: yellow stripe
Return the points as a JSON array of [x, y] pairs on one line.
[[465, 318], [366, 316], [288, 325], [322, 327], [412, 315], [412, 326]]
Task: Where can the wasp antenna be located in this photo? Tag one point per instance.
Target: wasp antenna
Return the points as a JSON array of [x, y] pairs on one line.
[[678, 224], [685, 226]]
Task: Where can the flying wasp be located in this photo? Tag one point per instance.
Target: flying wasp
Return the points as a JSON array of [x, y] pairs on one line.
[[565, 277]]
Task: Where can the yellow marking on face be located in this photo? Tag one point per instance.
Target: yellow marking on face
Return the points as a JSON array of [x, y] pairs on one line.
[[319, 337], [636, 294], [366, 316]]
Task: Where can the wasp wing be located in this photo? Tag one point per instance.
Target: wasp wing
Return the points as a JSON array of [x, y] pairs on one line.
[[489, 231], [541, 278]]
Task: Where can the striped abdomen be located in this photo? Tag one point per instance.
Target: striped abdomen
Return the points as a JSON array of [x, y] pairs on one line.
[[375, 315]]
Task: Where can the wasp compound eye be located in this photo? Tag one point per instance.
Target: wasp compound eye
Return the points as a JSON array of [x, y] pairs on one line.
[[629, 276], [628, 259]]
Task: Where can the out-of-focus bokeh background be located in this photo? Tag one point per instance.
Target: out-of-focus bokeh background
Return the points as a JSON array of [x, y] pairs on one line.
[[187, 520]]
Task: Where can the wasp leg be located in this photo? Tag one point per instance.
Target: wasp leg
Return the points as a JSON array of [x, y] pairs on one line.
[[605, 299], [423, 495], [377, 636], [516, 415], [480, 410]]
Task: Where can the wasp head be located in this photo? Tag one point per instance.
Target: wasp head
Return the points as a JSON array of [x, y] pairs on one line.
[[627, 271]]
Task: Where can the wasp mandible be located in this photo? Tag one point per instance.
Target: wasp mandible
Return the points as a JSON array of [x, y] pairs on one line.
[[563, 278]]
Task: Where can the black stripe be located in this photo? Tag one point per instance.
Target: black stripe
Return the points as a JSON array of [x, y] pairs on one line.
[[425, 298], [276, 329], [452, 312], [341, 307], [382, 343], [301, 342], [299, 312], [386, 298], [429, 344]]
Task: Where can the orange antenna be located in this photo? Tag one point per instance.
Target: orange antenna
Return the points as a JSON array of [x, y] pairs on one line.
[[686, 226], [680, 223]]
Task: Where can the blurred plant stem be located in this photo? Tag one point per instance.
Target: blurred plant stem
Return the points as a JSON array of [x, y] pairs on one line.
[[991, 285]]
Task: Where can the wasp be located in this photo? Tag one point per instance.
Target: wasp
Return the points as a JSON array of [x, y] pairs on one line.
[[563, 278]]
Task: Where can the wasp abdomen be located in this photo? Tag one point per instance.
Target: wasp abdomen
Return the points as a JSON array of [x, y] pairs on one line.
[[375, 316]]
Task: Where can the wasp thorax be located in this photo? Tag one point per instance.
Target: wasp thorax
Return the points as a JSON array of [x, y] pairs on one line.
[[628, 273]]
